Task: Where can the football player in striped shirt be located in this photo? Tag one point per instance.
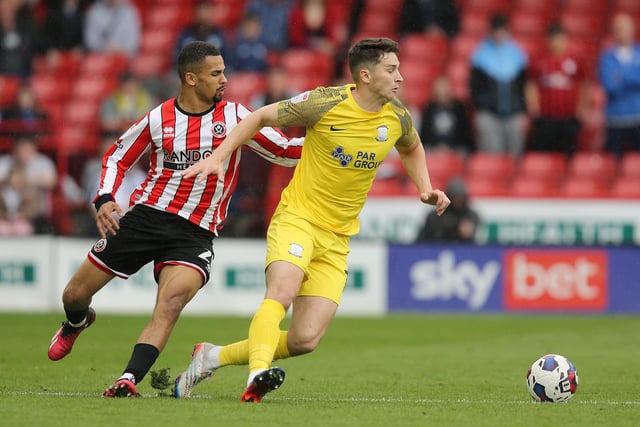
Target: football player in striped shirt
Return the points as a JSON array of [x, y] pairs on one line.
[[349, 131], [172, 220]]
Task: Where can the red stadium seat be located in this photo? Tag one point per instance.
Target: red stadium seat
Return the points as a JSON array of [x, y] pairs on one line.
[[50, 89], [150, 64], [378, 21], [487, 6], [160, 40], [418, 81], [84, 114], [529, 186], [493, 165], [389, 187], [539, 6], [444, 165], [630, 165], [65, 65], [529, 23], [545, 166], [627, 188], [583, 187], [425, 48], [487, 187], [463, 46], [474, 23], [583, 23], [243, 87], [591, 6], [229, 13], [104, 63], [93, 88], [628, 6], [458, 70], [9, 87], [598, 165], [307, 61], [387, 6]]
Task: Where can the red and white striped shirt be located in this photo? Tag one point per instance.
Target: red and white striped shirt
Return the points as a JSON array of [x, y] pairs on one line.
[[176, 140]]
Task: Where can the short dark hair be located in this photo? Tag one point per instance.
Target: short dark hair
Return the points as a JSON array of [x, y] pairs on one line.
[[192, 55], [370, 51], [498, 22], [554, 29]]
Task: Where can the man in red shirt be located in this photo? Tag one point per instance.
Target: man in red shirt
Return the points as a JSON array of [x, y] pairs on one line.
[[556, 95]]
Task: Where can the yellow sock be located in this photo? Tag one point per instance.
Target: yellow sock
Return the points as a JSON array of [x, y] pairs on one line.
[[264, 334], [238, 352]]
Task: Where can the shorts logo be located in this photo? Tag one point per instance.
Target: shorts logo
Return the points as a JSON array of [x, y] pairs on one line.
[[339, 154], [295, 249], [219, 129], [100, 245], [383, 134]]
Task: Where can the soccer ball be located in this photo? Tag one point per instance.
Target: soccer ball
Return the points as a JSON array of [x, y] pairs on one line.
[[552, 378]]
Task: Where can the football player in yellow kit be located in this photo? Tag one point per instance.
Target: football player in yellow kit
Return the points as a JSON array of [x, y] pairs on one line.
[[349, 131]]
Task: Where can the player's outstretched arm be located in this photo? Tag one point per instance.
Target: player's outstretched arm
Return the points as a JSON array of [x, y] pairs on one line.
[[241, 134], [415, 164]]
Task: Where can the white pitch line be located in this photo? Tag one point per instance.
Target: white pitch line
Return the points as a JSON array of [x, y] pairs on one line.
[[350, 399]]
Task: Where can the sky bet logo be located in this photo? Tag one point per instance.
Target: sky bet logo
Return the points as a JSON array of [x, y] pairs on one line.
[[364, 160]]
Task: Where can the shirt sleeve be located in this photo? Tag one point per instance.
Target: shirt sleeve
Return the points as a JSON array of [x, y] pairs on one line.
[[307, 108], [123, 154], [272, 144]]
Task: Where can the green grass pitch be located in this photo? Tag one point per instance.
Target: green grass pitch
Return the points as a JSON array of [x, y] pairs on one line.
[[410, 370]]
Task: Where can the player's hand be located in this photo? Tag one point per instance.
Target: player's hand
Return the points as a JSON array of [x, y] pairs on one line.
[[212, 165], [105, 220], [436, 198]]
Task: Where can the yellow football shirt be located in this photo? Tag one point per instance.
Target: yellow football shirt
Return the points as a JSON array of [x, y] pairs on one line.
[[343, 148]]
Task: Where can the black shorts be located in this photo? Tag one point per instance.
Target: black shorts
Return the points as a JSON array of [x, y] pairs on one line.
[[147, 234]]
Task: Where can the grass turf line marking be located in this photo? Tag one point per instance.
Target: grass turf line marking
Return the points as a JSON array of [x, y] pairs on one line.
[[348, 399]]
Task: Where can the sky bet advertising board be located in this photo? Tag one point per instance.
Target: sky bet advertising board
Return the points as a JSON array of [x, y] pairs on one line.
[[527, 279]]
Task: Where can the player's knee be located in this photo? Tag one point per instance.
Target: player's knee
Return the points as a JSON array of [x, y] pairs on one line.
[[74, 294], [302, 345]]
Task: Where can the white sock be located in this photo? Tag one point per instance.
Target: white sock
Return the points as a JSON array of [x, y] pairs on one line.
[[78, 325], [253, 374], [128, 376], [212, 358]]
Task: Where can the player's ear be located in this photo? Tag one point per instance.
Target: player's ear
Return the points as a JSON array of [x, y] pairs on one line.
[[365, 75], [190, 78]]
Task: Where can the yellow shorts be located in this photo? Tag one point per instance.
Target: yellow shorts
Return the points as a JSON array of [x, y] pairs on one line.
[[320, 253]]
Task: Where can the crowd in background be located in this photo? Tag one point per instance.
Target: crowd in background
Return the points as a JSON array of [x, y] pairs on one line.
[[512, 101]]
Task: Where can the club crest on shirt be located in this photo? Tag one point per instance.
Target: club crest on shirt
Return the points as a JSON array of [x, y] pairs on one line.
[[218, 129], [296, 249], [100, 245], [383, 134]]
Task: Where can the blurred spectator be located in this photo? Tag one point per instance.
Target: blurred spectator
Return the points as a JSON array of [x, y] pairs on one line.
[[203, 28], [40, 172], [308, 26], [25, 116], [19, 204], [497, 82], [63, 26], [250, 52], [619, 73], [277, 89], [17, 37], [125, 105], [274, 15], [445, 124], [459, 222], [91, 180], [429, 16], [556, 91], [112, 25]]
